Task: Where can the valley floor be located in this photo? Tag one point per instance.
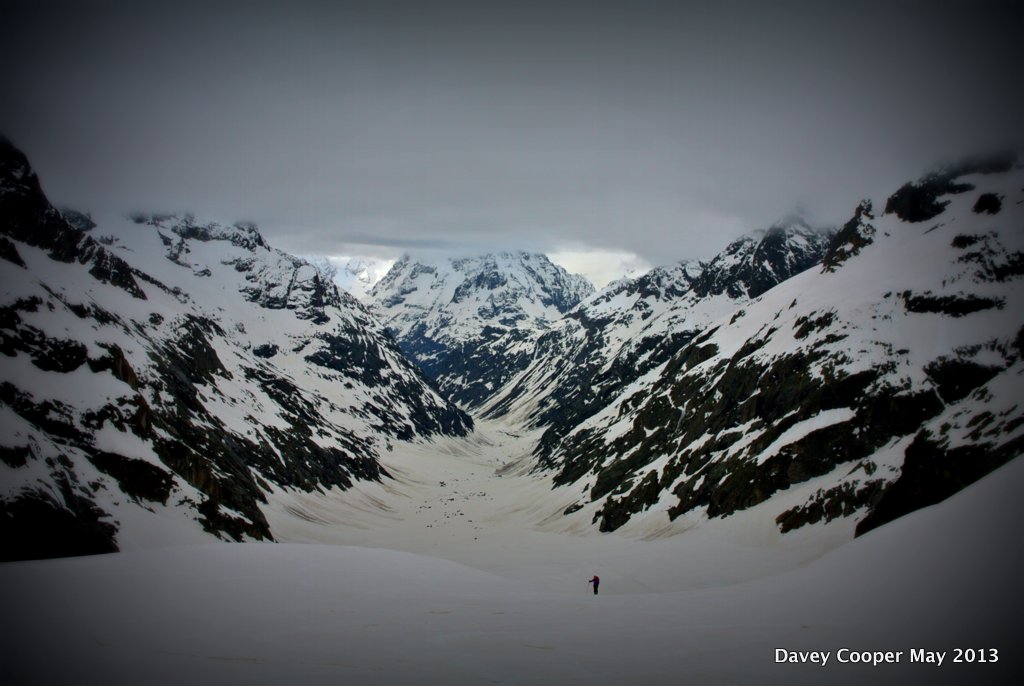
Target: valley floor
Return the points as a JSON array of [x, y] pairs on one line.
[[456, 572], [476, 503]]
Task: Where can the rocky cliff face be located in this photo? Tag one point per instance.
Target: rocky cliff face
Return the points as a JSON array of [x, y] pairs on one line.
[[471, 322], [891, 377], [162, 369]]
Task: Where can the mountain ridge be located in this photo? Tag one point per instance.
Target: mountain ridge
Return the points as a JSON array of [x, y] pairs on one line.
[[162, 368], [867, 374], [619, 335]]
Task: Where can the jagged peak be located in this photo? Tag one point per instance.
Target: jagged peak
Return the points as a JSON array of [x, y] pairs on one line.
[[790, 227], [26, 215], [855, 235], [15, 169], [721, 273], [757, 261], [664, 282], [244, 234]]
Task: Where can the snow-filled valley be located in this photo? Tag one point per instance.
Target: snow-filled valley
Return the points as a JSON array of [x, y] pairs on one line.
[[439, 579], [473, 502]]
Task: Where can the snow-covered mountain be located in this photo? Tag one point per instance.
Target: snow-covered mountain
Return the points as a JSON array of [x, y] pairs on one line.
[[358, 275], [355, 275], [619, 335], [890, 377], [163, 375], [471, 322]]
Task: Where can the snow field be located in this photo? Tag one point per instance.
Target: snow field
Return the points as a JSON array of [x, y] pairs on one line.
[[938, 579]]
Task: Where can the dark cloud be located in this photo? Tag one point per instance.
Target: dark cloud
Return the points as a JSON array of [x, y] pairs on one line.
[[663, 129]]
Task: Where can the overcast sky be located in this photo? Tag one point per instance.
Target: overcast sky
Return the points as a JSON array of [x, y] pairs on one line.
[[653, 130]]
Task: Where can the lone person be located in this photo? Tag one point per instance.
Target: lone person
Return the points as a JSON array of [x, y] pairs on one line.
[[596, 581]]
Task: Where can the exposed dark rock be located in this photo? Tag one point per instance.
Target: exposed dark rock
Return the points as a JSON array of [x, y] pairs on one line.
[[617, 511], [919, 202], [807, 325], [34, 526], [933, 472], [772, 399], [877, 419], [954, 306], [266, 350], [80, 220], [991, 260], [464, 371], [988, 203], [955, 378], [192, 355], [242, 234], [93, 312], [59, 355], [963, 241], [352, 356], [575, 507], [843, 500], [15, 456], [48, 354], [9, 252], [484, 280], [126, 414], [51, 416], [117, 363], [855, 235], [137, 478]]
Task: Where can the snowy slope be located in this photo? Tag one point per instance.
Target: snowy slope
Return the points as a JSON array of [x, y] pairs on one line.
[[471, 322], [940, 579], [619, 336], [892, 375], [160, 376]]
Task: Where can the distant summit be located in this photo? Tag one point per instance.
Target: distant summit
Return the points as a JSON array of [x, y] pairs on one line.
[[355, 275], [469, 322]]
